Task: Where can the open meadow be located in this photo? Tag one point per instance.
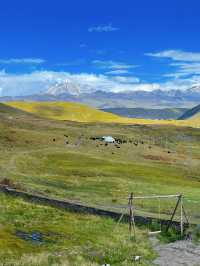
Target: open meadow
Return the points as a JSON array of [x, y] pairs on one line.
[[33, 235], [62, 159]]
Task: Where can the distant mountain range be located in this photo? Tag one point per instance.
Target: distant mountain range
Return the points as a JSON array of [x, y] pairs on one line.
[[158, 99], [165, 113]]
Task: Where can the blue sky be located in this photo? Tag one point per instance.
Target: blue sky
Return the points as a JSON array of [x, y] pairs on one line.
[[109, 45]]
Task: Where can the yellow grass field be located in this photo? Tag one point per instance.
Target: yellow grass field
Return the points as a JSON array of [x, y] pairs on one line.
[[82, 113]]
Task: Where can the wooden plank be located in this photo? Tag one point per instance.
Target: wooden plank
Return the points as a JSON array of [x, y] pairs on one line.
[[157, 197]]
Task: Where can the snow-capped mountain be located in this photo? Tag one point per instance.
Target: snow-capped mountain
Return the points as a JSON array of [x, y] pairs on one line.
[[66, 87], [73, 92]]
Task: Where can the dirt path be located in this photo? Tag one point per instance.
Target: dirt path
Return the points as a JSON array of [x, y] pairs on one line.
[[179, 253]]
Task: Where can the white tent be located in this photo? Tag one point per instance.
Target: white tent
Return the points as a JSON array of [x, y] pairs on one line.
[[108, 139]]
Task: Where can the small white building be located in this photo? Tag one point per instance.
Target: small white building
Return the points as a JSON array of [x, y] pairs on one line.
[[108, 139]]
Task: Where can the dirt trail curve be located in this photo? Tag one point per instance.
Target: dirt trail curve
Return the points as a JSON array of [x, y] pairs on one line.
[[179, 253]]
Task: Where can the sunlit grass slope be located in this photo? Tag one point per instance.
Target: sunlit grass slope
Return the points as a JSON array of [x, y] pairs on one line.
[[82, 113], [192, 115], [65, 111], [195, 118]]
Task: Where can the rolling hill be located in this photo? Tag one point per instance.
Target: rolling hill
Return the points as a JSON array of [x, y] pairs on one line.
[[9, 110], [192, 114], [65, 111], [38, 158], [37, 155], [83, 113]]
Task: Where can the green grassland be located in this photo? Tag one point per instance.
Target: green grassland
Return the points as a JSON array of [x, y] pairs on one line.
[[65, 238], [38, 158], [87, 170]]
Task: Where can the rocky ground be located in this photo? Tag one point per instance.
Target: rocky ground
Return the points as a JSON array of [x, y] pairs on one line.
[[178, 253]]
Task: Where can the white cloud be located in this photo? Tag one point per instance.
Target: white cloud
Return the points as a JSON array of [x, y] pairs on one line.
[[22, 84], [185, 69], [103, 28], [177, 55], [185, 64], [22, 61], [117, 72], [40, 81], [125, 80], [147, 87], [112, 64]]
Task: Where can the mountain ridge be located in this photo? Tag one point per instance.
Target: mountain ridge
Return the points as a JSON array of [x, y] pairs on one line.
[[101, 99], [191, 113], [165, 113]]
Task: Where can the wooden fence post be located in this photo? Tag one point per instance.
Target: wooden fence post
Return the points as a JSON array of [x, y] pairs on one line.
[[182, 226], [131, 216]]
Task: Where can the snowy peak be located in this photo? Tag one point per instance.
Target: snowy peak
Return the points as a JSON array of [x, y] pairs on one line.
[[66, 87]]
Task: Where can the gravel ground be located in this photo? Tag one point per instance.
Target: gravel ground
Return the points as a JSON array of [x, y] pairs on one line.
[[178, 253]]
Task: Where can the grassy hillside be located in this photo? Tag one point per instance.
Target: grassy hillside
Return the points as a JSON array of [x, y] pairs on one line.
[[34, 235], [82, 113], [9, 110], [65, 111], [196, 118], [36, 156]]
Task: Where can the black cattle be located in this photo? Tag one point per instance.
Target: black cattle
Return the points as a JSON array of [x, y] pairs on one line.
[[95, 138], [54, 140], [119, 141]]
